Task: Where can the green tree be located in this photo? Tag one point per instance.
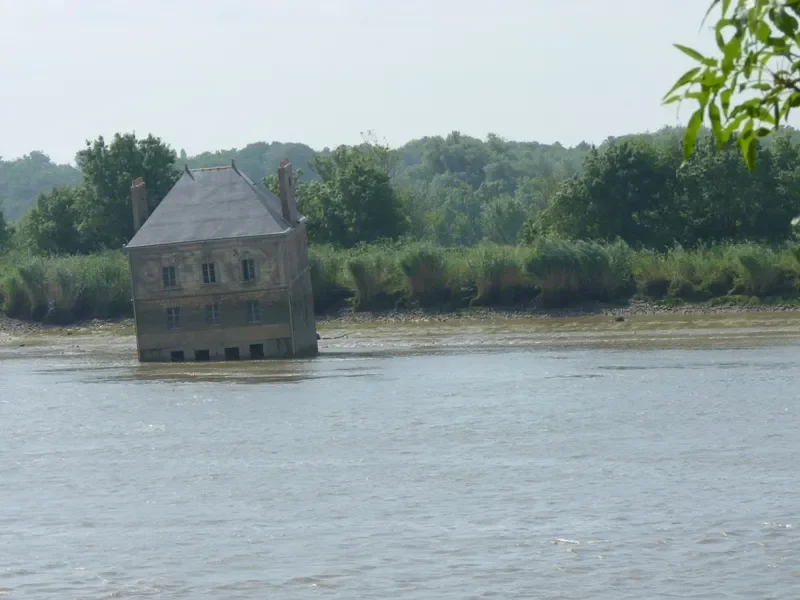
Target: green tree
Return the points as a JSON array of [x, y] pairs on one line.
[[6, 231], [23, 179], [502, 220], [454, 212], [624, 192], [353, 201], [752, 83], [104, 211], [51, 227]]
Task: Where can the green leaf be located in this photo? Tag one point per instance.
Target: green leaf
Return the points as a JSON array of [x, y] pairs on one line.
[[683, 80], [747, 144], [786, 23], [694, 54], [732, 52], [701, 97], [716, 123], [692, 130], [725, 100], [762, 32], [733, 125], [720, 39]]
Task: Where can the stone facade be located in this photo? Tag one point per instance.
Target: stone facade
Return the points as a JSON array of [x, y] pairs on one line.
[[225, 299]]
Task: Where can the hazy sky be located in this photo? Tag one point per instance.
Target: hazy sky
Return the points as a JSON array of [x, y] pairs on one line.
[[211, 74]]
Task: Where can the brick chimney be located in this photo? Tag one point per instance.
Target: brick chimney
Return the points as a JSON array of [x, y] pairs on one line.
[[139, 203], [288, 200]]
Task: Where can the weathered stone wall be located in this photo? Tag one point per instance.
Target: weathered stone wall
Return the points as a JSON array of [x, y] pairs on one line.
[[281, 271], [304, 322], [147, 265]]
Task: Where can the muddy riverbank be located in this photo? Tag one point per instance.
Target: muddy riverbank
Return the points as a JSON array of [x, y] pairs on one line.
[[614, 311], [17, 327], [410, 334]]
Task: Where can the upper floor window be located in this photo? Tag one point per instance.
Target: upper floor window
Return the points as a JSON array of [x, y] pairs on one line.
[[173, 317], [253, 311], [209, 273], [248, 269], [169, 276], [212, 314]]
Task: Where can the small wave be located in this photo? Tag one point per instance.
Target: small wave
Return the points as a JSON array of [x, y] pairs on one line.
[[310, 582]]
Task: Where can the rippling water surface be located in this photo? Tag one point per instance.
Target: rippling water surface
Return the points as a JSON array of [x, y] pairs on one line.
[[499, 469]]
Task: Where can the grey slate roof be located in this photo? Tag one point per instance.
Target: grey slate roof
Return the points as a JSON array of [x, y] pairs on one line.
[[212, 204]]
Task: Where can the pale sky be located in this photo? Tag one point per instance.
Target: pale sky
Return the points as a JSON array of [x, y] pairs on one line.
[[212, 74]]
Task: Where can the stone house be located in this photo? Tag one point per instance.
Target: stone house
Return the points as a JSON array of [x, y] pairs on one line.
[[220, 270]]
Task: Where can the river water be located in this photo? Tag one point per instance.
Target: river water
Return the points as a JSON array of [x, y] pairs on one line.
[[409, 463]]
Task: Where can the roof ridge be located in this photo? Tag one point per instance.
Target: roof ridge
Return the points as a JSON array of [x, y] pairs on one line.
[[212, 168]]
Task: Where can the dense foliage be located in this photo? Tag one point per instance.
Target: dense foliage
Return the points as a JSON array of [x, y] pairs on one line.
[[352, 201], [458, 191], [23, 179], [752, 83], [638, 190], [96, 214], [454, 190]]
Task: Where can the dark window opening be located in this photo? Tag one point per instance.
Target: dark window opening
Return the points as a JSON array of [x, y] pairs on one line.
[[232, 353], [253, 312], [209, 273], [176, 356], [173, 318], [202, 355], [248, 269], [212, 314], [146, 355], [169, 277], [256, 350]]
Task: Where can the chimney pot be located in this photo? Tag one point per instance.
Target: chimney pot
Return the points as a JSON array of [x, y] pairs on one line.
[[288, 200]]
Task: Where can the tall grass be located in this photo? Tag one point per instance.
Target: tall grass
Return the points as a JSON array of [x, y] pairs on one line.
[[498, 275], [727, 270], [63, 289], [568, 272], [551, 273]]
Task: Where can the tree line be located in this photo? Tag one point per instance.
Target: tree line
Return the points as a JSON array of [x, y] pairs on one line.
[[451, 191]]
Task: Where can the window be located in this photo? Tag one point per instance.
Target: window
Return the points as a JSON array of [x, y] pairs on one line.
[[173, 318], [256, 350], [202, 355], [176, 356], [212, 314], [169, 276], [253, 312], [209, 273], [248, 269]]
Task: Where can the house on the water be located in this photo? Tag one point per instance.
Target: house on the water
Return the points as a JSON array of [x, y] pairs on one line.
[[220, 270]]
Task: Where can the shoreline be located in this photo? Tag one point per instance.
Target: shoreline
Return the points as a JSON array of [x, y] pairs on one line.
[[620, 312], [614, 311]]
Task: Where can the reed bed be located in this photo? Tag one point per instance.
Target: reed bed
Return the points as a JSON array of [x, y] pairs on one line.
[[549, 273]]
